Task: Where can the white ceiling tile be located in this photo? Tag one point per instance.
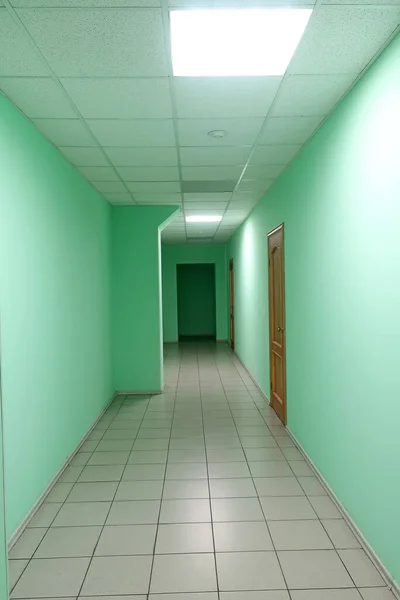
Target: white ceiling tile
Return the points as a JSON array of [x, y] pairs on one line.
[[199, 211], [145, 132], [239, 3], [310, 95], [343, 39], [142, 187], [263, 171], [220, 206], [211, 173], [142, 157], [274, 154], [254, 185], [209, 156], [149, 173], [113, 187], [115, 198], [99, 173], [84, 3], [38, 97], [209, 197], [289, 130], [210, 97], [158, 198], [120, 98], [65, 132], [84, 157], [240, 132], [99, 43], [17, 55]]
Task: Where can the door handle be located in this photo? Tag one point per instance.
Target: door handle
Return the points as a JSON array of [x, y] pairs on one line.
[[280, 329]]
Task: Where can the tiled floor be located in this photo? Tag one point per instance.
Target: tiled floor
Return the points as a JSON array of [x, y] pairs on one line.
[[195, 494]]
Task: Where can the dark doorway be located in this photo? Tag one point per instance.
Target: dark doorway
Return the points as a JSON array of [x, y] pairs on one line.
[[196, 301]]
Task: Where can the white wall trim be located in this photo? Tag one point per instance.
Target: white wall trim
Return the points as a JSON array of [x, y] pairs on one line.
[[139, 392], [19, 531], [391, 582]]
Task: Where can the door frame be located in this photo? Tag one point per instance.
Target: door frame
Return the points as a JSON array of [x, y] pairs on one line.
[[270, 323], [231, 275]]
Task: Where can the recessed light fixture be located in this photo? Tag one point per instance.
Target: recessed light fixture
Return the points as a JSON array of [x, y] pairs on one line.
[[203, 219], [235, 42], [217, 133]]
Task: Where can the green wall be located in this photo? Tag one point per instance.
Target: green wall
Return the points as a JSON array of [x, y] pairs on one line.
[[3, 542], [55, 259], [339, 201], [174, 255], [196, 300], [136, 296]]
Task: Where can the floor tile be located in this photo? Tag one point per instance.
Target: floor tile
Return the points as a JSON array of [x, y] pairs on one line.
[[348, 594], [264, 595], [115, 575], [151, 444], [142, 457], [299, 535], [118, 435], [51, 577], [187, 444], [147, 434], [101, 473], [224, 455], [135, 512], [114, 445], [361, 568], [27, 543], [117, 540], [68, 542], [262, 441], [80, 459], [285, 508], [186, 471], [188, 488], [309, 569], [70, 474], [82, 513], [242, 537], [15, 570], [143, 472], [264, 454], [187, 596], [271, 468], [340, 533], [223, 443], [300, 468], [249, 571], [139, 490], [232, 488], [311, 486], [228, 470], [108, 458], [45, 515], [93, 492], [59, 492], [183, 573], [185, 511], [184, 538], [278, 486], [187, 456], [376, 594], [324, 507], [236, 509]]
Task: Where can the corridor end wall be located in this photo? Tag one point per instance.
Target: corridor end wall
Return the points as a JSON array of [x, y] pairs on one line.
[[339, 201]]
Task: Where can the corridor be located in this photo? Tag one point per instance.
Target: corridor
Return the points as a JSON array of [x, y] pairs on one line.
[[195, 494]]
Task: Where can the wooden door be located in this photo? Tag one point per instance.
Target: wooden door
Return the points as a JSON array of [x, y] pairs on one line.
[[277, 345], [231, 305]]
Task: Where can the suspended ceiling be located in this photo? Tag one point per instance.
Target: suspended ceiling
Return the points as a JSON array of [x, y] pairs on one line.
[[95, 77]]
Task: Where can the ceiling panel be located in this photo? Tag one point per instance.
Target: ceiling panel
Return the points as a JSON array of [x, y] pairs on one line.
[[254, 185], [363, 2], [239, 132], [113, 187], [84, 157], [120, 98], [115, 198], [65, 132], [144, 132], [38, 97], [158, 198], [84, 3], [143, 187], [96, 42], [246, 197], [149, 173], [288, 130], [343, 39], [205, 97], [219, 197], [211, 173], [263, 171], [239, 3], [99, 173], [142, 157], [298, 94], [274, 154], [17, 55], [206, 206], [209, 156]]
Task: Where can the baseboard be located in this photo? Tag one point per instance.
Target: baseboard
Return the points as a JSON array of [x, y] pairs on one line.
[[391, 582], [250, 375], [139, 392], [19, 531]]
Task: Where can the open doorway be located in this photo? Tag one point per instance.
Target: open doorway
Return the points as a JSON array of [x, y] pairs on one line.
[[196, 301]]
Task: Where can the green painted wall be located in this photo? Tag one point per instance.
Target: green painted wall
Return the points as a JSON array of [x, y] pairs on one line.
[[3, 543], [196, 299], [136, 296], [173, 255], [55, 259], [339, 201]]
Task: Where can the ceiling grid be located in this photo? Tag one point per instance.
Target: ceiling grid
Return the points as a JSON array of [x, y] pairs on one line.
[[95, 76]]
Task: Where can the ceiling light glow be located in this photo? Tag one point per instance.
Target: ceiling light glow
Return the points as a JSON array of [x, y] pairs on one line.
[[203, 219], [236, 42]]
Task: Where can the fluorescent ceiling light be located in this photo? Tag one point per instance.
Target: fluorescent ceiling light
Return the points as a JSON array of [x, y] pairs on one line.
[[203, 219], [233, 42]]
